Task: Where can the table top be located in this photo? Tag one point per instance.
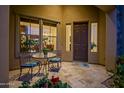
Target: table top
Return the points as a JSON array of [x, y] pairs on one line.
[[41, 55]]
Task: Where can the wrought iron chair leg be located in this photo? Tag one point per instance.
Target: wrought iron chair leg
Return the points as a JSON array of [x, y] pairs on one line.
[[31, 72], [20, 72], [60, 63], [39, 68], [48, 66], [57, 65], [53, 65]]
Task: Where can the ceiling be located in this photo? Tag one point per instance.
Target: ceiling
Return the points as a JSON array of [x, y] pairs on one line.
[[105, 8]]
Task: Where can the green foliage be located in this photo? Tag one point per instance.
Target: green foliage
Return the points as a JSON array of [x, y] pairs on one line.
[[121, 58], [93, 45], [45, 51], [61, 85], [30, 42], [46, 38], [25, 45], [45, 83], [25, 85], [119, 77]]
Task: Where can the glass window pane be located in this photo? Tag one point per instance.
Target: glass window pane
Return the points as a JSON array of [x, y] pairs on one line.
[[24, 27], [34, 37], [34, 29], [24, 35], [53, 31], [29, 36], [68, 37], [94, 37], [53, 42], [49, 37], [46, 31]]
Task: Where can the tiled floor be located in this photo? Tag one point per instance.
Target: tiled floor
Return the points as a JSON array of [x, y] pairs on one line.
[[77, 74]]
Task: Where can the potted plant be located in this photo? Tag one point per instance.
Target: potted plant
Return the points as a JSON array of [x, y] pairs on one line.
[[93, 45], [26, 45], [45, 51]]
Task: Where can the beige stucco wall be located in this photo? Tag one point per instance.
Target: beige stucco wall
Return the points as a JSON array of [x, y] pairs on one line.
[[53, 12], [4, 47], [111, 29], [101, 37], [48, 12], [64, 14], [79, 13]]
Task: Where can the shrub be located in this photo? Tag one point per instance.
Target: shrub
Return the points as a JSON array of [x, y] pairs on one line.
[[45, 83], [118, 80]]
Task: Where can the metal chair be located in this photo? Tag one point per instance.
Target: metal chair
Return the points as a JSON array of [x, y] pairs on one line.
[[55, 62], [26, 61]]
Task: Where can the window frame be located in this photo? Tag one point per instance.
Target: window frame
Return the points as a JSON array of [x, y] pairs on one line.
[[41, 22], [52, 36], [70, 45], [29, 34], [91, 37]]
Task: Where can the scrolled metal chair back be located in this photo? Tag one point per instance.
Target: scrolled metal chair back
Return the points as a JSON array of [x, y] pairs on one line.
[[25, 57]]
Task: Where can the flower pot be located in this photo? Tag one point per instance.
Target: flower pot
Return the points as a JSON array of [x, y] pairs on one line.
[[45, 51], [45, 56]]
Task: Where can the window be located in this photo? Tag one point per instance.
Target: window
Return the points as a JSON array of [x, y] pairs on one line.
[[49, 37], [68, 37], [29, 35], [94, 29]]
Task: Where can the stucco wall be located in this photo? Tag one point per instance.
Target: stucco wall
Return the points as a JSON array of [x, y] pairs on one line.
[[79, 13], [101, 37], [4, 45], [64, 14], [49, 12], [111, 31]]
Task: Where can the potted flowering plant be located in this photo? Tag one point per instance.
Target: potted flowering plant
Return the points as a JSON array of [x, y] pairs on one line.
[[45, 51]]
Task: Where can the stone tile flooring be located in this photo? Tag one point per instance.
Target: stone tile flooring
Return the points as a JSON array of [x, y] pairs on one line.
[[77, 74]]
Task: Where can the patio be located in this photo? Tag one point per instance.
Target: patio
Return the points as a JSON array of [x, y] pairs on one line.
[[76, 74]]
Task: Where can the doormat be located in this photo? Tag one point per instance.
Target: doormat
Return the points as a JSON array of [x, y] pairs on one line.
[[84, 65], [81, 64]]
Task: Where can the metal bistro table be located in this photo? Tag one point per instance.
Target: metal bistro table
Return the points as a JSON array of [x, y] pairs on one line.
[[41, 56]]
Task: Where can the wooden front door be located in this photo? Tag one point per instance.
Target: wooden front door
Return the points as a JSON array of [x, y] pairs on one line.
[[80, 41]]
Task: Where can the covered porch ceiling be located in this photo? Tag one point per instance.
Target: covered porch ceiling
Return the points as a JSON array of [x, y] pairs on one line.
[[105, 8]]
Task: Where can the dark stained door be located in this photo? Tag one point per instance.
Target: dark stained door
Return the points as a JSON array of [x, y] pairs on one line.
[[80, 41]]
